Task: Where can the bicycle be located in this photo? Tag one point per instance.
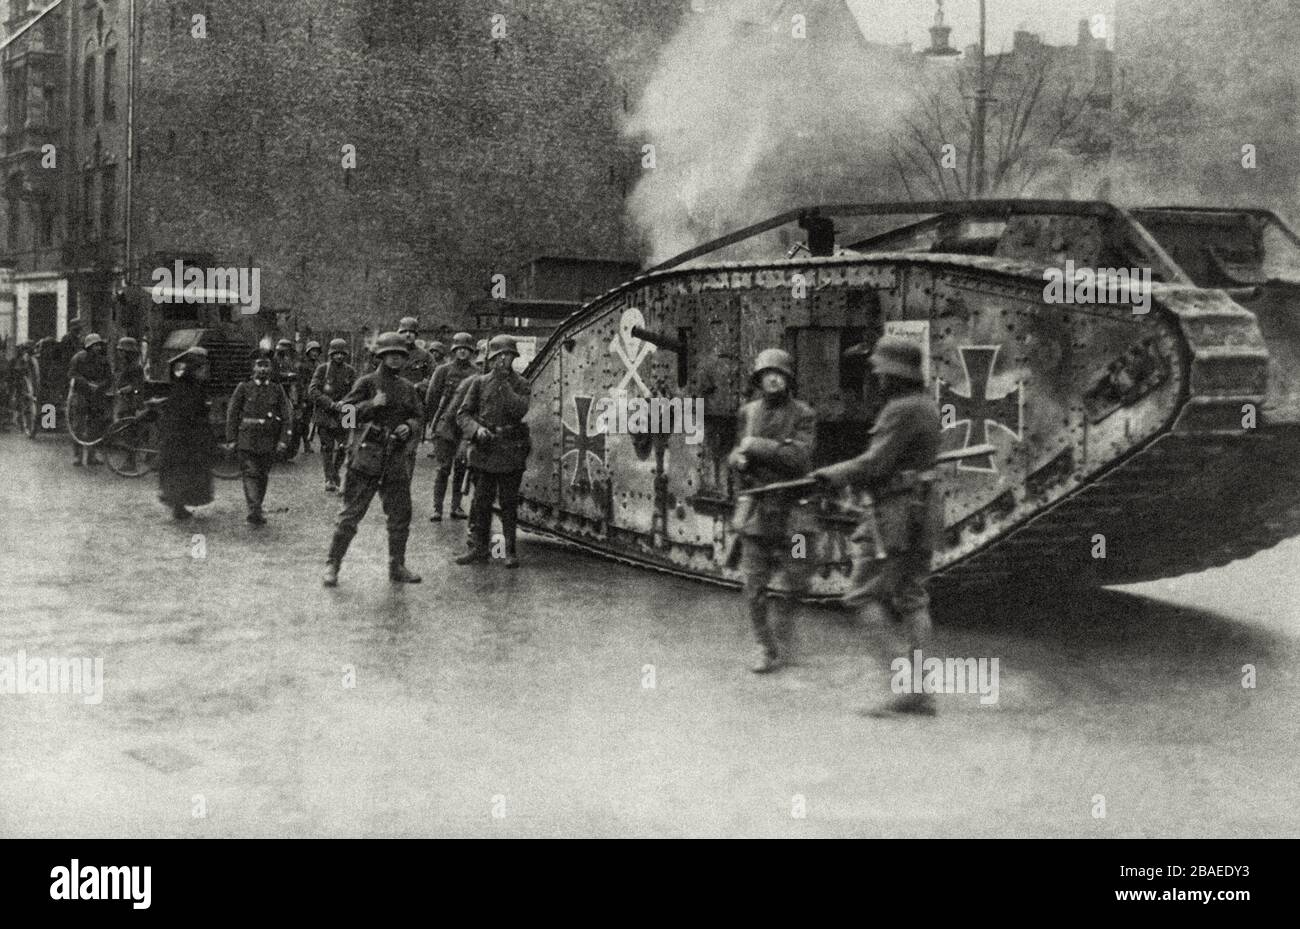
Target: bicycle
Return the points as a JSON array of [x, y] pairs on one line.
[[131, 448]]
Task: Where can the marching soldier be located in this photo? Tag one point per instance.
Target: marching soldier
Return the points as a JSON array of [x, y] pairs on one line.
[[90, 391], [443, 387], [258, 427], [388, 417], [775, 437], [898, 470], [302, 408], [492, 417], [419, 363], [330, 383], [128, 383]]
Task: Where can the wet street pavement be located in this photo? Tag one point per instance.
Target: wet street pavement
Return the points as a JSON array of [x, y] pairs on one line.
[[577, 696]]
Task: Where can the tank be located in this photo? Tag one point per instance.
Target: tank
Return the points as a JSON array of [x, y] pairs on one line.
[[1133, 437]]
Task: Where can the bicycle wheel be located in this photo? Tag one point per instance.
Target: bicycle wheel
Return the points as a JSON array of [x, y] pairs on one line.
[[225, 465], [29, 406], [131, 448], [85, 429]]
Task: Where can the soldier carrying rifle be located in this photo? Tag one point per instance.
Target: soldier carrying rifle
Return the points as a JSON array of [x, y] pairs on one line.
[[888, 583], [388, 418]]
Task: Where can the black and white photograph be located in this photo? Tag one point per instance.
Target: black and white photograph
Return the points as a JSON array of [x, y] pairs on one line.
[[439, 419]]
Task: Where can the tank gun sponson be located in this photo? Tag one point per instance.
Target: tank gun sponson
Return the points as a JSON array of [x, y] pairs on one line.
[[1174, 433]]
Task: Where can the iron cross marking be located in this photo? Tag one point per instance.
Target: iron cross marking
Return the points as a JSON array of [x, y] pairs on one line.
[[977, 409], [582, 443]]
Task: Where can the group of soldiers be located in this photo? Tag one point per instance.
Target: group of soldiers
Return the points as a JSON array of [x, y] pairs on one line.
[[898, 534], [371, 424], [99, 391]]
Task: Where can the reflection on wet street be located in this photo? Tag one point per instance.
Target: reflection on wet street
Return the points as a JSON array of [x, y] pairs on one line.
[[581, 697]]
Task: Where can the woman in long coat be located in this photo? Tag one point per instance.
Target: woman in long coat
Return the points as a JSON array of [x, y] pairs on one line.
[[187, 445]]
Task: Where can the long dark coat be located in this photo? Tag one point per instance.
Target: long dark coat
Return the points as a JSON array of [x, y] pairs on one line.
[[187, 446]]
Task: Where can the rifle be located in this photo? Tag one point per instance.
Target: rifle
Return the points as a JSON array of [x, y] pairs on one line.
[[804, 483]]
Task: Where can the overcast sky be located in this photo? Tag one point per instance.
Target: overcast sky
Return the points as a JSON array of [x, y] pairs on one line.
[[908, 20]]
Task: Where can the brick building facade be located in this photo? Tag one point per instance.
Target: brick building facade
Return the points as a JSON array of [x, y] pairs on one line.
[[484, 135]]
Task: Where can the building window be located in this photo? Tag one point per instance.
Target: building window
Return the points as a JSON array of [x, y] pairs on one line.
[[17, 102], [88, 205], [108, 202], [45, 222], [110, 89], [88, 92], [14, 224]]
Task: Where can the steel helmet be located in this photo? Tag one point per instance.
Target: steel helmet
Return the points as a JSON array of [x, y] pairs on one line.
[[437, 347], [390, 342], [774, 359], [284, 343], [499, 344], [312, 347], [462, 340], [93, 339], [127, 344], [408, 323], [898, 356], [338, 345]]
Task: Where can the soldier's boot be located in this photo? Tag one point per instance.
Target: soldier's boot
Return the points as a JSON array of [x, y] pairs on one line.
[[509, 532], [456, 511], [439, 494], [398, 573], [338, 548], [903, 705], [784, 633], [769, 656]]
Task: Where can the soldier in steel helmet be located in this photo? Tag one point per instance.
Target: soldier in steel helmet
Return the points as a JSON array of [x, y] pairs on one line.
[[443, 387], [258, 425], [775, 437], [330, 383], [898, 470], [388, 417], [419, 363], [90, 392], [302, 408], [492, 417]]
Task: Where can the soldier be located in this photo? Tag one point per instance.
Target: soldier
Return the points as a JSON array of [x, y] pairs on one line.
[[419, 363], [492, 417], [284, 371], [302, 410], [258, 425], [439, 352], [186, 446], [897, 469], [129, 382], [443, 388], [775, 437], [90, 391], [330, 383], [388, 418]]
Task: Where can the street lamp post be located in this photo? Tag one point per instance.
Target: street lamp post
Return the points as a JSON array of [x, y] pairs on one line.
[[981, 113]]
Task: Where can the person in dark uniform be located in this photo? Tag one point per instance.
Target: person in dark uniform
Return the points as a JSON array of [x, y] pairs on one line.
[[129, 380], [419, 363], [492, 417], [443, 387], [388, 418], [90, 395], [775, 435], [330, 383], [186, 442], [258, 422], [302, 410], [898, 470], [284, 371]]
